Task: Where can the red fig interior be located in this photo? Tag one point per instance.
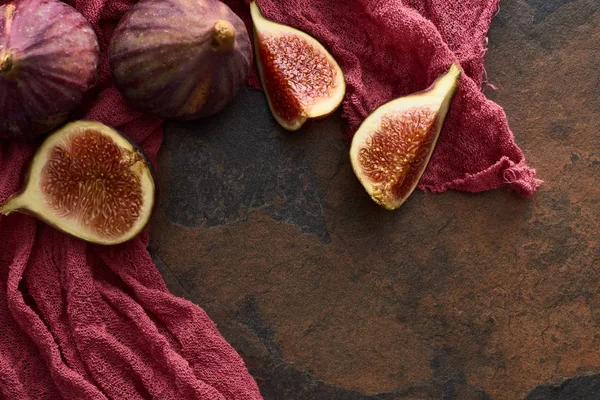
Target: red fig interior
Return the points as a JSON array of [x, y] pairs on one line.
[[391, 149], [300, 77], [89, 181]]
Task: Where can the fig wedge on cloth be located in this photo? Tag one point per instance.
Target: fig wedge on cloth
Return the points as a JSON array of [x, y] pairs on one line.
[[89, 181], [300, 78], [391, 149]]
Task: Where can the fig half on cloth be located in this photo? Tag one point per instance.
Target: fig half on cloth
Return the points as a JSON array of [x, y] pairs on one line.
[[180, 59], [301, 79], [89, 181], [392, 147], [49, 59]]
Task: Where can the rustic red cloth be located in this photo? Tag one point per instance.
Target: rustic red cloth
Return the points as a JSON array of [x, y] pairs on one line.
[[87, 322], [390, 48], [83, 322]]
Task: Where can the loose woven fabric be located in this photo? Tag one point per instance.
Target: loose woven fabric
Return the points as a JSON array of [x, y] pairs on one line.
[[86, 322], [81, 322], [391, 48]]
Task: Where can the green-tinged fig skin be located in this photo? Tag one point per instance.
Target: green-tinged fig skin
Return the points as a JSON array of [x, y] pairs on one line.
[[168, 59], [147, 161], [49, 62]]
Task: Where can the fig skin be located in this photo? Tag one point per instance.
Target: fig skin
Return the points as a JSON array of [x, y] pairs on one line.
[[392, 147], [180, 59], [35, 201], [49, 64], [296, 93]]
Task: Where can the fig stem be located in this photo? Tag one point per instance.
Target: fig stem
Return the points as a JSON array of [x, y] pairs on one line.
[[5, 63], [224, 37], [11, 204], [445, 82]]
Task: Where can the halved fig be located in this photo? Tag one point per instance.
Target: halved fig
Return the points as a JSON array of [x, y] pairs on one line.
[[391, 149], [89, 181], [300, 77]]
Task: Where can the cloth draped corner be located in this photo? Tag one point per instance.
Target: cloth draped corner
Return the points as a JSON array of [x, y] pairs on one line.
[[81, 321]]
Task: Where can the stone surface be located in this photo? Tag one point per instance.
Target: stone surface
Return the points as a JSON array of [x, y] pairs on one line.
[[454, 296]]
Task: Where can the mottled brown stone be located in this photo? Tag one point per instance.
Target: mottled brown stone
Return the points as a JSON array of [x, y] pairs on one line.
[[454, 296]]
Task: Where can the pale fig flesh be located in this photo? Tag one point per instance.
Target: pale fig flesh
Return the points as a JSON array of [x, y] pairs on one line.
[[393, 146], [301, 79], [88, 181]]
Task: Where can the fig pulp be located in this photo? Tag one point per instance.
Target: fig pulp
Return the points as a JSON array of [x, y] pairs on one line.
[[300, 78], [49, 58], [391, 149], [180, 59], [89, 181]]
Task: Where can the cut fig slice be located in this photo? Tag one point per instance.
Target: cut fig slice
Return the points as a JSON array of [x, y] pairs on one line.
[[391, 149], [300, 77], [88, 181]]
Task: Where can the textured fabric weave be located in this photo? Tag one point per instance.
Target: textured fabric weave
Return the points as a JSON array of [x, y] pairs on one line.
[[87, 322], [84, 322], [391, 48]]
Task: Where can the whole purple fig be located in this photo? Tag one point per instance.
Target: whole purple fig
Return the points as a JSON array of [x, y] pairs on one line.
[[49, 58], [180, 59]]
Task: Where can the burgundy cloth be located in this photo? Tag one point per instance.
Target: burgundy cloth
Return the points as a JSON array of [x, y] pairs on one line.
[[390, 48], [83, 322]]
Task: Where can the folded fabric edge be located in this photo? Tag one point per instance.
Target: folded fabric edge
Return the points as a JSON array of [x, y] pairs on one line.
[[504, 173]]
